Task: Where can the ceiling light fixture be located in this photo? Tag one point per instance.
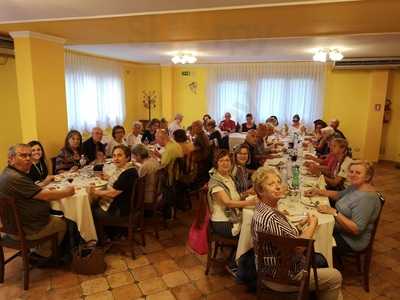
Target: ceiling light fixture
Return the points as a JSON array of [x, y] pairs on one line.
[[184, 58], [322, 55]]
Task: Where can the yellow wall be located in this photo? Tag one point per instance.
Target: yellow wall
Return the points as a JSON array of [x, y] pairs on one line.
[[41, 91], [390, 149], [10, 124], [350, 96]]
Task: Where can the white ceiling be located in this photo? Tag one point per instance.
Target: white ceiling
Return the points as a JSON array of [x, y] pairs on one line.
[[281, 49], [25, 10]]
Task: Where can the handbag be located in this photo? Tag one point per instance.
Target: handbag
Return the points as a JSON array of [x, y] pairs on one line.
[[88, 259], [198, 236]]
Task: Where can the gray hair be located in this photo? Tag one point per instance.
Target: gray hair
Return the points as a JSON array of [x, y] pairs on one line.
[[12, 151], [137, 124], [328, 131], [261, 175], [141, 151], [178, 116]]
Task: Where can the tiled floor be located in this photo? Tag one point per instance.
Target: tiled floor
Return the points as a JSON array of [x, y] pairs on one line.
[[168, 270]]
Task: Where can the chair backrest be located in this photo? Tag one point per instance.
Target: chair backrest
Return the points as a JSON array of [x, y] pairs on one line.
[[371, 241], [137, 197], [9, 216], [53, 165], [203, 208], [284, 251]]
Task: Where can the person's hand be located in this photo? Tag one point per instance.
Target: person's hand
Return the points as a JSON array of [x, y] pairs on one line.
[[70, 190], [312, 192], [326, 209], [74, 169], [309, 156], [314, 169], [48, 179], [90, 189], [312, 220], [251, 202]]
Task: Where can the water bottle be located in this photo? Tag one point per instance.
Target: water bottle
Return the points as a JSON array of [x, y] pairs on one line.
[[82, 161], [295, 176]]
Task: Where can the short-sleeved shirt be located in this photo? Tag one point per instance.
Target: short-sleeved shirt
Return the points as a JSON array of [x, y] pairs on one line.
[[363, 209], [148, 170], [343, 170], [228, 125], [125, 184], [34, 213]]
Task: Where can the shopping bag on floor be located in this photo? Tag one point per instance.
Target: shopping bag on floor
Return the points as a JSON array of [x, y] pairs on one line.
[[198, 235]]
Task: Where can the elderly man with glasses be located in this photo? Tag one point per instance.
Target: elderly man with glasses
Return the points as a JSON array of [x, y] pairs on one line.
[[32, 201]]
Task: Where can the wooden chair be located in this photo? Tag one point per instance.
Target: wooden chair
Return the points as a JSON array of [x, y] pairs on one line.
[[364, 257], [53, 165], [133, 222], [285, 250], [154, 220], [11, 225], [216, 242]]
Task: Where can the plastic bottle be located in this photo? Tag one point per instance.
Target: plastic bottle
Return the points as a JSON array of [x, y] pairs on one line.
[[295, 176]]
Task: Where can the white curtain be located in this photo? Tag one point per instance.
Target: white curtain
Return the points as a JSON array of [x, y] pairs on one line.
[[265, 89], [95, 92]]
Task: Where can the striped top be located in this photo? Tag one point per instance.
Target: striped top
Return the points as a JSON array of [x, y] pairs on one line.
[[268, 220]]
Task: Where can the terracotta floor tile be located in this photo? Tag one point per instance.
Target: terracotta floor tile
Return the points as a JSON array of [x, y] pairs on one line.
[[152, 286], [126, 292], [115, 264], [140, 261], [119, 279], [164, 295], [195, 272], [187, 292], [64, 279], [208, 286], [73, 292], [187, 261], [144, 273], [171, 243], [158, 256], [165, 234], [224, 294], [106, 295], [175, 278], [153, 246], [166, 266], [94, 286], [177, 251]]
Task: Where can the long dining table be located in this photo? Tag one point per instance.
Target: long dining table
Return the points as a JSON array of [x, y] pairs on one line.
[[296, 207]]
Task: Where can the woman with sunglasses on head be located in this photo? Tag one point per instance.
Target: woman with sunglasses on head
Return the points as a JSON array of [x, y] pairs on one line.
[[39, 172]]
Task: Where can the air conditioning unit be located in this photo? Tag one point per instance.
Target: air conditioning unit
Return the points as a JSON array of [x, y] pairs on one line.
[[367, 63], [6, 46]]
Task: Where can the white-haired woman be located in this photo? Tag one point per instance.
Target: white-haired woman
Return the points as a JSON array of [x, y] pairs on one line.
[[322, 148], [135, 137], [267, 218], [356, 208]]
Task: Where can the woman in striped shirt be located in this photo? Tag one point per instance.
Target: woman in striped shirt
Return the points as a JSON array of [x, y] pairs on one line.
[[267, 218]]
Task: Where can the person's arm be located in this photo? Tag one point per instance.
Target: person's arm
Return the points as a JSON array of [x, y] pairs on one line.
[[46, 181], [308, 232], [228, 202], [50, 195], [325, 193], [345, 223], [336, 181], [110, 192]]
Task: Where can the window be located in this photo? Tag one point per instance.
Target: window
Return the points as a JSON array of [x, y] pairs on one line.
[[95, 92]]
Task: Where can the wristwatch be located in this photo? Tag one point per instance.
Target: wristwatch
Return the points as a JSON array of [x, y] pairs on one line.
[[336, 213]]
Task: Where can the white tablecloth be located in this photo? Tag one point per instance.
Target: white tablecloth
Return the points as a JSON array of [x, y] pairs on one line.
[[77, 207], [322, 236]]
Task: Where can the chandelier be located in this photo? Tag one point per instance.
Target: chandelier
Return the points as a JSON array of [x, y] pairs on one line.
[[184, 58], [322, 55]]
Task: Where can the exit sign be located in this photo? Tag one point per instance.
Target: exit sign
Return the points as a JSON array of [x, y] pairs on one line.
[[185, 73]]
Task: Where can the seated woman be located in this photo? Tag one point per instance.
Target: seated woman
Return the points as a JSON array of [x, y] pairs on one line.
[[39, 172], [205, 119], [267, 218], [99, 161], [296, 126], [224, 199], [118, 134], [116, 199], [69, 157], [338, 161], [356, 208], [240, 173], [147, 166], [322, 148], [318, 125], [214, 135], [249, 124], [149, 135]]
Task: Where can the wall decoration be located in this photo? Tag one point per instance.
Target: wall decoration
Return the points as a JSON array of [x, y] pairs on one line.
[[193, 87], [149, 101]]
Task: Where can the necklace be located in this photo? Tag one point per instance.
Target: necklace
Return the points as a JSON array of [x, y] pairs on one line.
[[39, 168]]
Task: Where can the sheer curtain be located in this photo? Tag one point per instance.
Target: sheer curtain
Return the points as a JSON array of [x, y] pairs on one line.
[[95, 92], [265, 89]]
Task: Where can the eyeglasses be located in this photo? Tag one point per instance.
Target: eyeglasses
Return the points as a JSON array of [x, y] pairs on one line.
[[24, 155]]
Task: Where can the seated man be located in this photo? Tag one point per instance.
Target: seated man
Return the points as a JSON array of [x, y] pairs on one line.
[[335, 125], [227, 124], [251, 141], [93, 144], [32, 201]]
